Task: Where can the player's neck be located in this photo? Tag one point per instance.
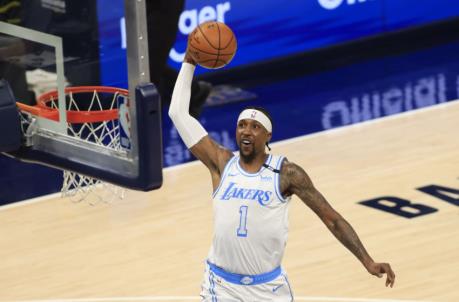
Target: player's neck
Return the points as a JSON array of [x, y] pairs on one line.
[[255, 164]]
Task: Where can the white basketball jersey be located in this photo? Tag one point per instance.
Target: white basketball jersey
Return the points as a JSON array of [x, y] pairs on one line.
[[250, 219]]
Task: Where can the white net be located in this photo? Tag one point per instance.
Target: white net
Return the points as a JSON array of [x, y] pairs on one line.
[[80, 188], [103, 131]]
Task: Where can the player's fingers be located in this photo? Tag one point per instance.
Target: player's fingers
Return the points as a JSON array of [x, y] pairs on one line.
[[390, 274], [390, 281], [392, 278]]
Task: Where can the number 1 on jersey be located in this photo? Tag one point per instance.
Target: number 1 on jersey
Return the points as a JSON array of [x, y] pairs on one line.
[[242, 230]]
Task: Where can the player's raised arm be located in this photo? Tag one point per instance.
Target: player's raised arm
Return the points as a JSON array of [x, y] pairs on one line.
[[294, 180], [191, 131]]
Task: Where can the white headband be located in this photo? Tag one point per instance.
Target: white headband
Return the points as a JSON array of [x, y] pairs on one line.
[[256, 115]]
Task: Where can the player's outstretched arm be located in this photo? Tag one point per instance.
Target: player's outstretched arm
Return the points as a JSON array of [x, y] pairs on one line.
[[294, 180], [191, 131]]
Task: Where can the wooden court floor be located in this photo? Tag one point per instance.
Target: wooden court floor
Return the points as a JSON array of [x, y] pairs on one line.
[[152, 246]]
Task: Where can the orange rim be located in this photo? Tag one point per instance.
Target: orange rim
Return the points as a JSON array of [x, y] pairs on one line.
[[74, 117], [51, 114]]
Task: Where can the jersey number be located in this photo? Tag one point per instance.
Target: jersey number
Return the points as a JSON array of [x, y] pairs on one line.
[[242, 230]]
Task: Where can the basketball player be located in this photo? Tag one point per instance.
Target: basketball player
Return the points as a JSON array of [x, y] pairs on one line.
[[251, 193]]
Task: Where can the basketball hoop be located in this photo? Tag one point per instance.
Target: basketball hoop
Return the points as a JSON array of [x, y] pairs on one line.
[[95, 114]]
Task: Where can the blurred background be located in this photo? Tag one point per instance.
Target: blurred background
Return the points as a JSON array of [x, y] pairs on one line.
[[315, 65]]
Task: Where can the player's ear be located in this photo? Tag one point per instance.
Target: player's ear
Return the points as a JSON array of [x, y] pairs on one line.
[[269, 136], [268, 139]]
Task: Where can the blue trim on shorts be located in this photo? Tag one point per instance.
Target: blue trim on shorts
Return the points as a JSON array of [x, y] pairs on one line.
[[211, 288], [245, 279], [289, 288]]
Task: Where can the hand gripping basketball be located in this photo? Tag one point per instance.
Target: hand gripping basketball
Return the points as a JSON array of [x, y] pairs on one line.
[[212, 45]]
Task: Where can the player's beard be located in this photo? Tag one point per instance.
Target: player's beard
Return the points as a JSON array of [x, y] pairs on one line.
[[249, 157]]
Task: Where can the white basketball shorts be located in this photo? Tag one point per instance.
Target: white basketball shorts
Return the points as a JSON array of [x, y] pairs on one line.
[[221, 286]]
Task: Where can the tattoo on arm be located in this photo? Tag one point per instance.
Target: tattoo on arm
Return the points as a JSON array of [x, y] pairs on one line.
[[348, 237], [294, 180]]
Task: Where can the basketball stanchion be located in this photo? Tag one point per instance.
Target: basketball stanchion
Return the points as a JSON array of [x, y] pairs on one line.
[[95, 114]]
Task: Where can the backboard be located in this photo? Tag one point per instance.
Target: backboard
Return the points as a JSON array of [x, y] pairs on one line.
[[48, 45]]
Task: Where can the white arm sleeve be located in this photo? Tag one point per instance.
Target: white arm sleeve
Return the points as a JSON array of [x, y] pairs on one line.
[[190, 130]]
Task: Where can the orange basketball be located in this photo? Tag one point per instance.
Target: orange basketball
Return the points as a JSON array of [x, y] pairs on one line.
[[212, 44]]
